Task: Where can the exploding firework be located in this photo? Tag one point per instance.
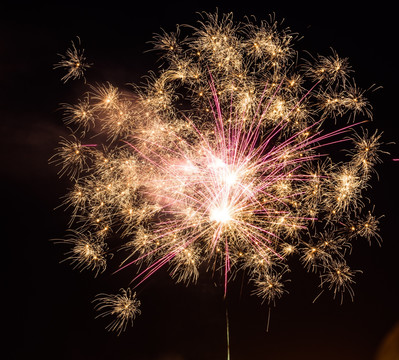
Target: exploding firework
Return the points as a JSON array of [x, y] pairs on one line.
[[74, 62], [221, 162], [123, 307]]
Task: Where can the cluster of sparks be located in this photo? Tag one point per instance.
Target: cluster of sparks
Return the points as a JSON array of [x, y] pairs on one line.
[[75, 63], [219, 163]]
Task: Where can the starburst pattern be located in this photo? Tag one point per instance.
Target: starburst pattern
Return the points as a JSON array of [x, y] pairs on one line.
[[221, 161], [87, 252], [123, 307], [74, 62]]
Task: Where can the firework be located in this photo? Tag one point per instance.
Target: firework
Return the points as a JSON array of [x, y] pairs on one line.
[[123, 307], [86, 252], [74, 62], [221, 162]]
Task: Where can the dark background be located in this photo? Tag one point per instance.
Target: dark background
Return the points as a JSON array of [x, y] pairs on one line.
[[48, 305]]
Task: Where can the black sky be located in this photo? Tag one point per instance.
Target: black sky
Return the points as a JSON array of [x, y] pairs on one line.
[[49, 304]]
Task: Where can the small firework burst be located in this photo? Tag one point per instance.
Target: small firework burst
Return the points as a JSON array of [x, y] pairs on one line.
[[87, 252], [368, 227], [269, 287], [74, 62], [80, 114], [122, 307], [339, 277]]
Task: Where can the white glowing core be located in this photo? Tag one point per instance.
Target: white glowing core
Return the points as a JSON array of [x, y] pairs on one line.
[[231, 178], [220, 215]]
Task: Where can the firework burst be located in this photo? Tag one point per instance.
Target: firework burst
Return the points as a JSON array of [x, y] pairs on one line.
[[221, 162], [74, 62], [124, 307]]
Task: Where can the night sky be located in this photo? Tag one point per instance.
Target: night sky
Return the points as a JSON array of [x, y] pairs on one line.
[[49, 303]]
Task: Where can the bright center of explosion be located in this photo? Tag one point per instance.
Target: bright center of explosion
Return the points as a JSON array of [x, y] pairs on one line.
[[231, 179], [221, 215]]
